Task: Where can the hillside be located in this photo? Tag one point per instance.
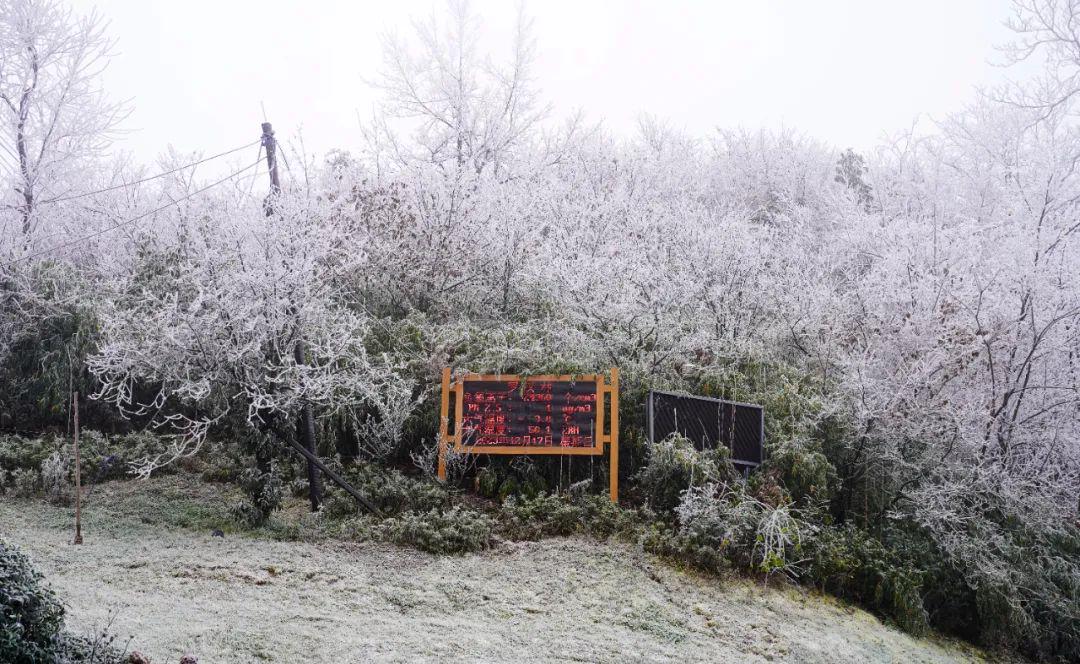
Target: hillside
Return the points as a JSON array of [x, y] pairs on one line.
[[177, 589]]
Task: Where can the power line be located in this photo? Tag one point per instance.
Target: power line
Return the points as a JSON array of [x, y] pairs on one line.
[[133, 219], [251, 177], [258, 158], [60, 199]]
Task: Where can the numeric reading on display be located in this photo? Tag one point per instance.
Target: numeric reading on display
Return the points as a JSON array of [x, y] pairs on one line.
[[538, 414]]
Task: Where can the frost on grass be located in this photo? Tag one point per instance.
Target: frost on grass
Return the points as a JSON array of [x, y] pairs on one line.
[[553, 600]]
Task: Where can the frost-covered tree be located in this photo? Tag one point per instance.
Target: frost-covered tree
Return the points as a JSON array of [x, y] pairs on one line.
[[910, 317], [55, 119], [201, 332], [467, 110]]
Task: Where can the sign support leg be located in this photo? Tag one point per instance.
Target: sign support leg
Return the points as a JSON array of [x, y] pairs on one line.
[[444, 418], [614, 444]]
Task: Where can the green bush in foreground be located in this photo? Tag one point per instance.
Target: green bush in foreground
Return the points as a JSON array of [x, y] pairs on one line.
[[456, 530], [549, 515], [32, 620], [30, 615]]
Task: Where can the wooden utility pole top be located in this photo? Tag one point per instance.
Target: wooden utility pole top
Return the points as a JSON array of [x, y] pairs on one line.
[[270, 144], [305, 425]]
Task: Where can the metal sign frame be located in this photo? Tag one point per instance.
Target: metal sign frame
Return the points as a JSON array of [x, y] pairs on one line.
[[650, 424], [605, 387]]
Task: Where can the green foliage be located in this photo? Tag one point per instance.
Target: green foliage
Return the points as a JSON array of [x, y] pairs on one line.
[[665, 540], [851, 563], [547, 515], [793, 399], [263, 491], [456, 530], [539, 517], [55, 328], [47, 463], [851, 172], [674, 466], [418, 512], [508, 487], [222, 463], [389, 490], [806, 476], [487, 482], [21, 482], [500, 479], [30, 615]]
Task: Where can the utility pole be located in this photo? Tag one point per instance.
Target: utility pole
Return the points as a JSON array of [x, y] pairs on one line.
[[78, 477], [305, 426], [270, 145]]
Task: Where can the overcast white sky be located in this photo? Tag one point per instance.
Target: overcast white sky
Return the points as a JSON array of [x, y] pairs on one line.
[[842, 71]]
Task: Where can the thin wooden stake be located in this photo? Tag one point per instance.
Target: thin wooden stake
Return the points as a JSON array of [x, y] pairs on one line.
[[613, 446], [78, 475]]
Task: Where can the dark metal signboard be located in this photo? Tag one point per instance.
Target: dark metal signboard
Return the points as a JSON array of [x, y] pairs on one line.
[[709, 423]]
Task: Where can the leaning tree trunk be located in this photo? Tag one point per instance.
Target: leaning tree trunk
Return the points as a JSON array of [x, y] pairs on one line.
[[305, 428]]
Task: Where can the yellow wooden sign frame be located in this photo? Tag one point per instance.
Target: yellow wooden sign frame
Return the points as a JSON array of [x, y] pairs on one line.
[[604, 387]]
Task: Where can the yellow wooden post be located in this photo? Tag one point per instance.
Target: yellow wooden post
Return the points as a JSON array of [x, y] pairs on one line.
[[614, 451], [444, 418], [601, 390]]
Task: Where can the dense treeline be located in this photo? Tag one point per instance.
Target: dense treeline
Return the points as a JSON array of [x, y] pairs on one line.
[[910, 318]]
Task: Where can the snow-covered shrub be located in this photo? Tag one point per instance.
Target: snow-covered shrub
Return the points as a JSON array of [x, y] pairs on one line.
[[751, 534], [241, 320], [379, 428], [674, 465], [455, 530], [111, 457], [390, 490], [458, 464], [55, 480], [26, 453], [909, 321], [543, 516], [263, 491], [551, 515], [31, 617], [22, 482], [1017, 566], [96, 648], [102, 457]]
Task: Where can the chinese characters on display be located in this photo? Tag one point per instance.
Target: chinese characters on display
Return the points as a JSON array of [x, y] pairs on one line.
[[538, 414]]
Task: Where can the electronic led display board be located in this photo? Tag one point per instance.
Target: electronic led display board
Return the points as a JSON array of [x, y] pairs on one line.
[[497, 414]]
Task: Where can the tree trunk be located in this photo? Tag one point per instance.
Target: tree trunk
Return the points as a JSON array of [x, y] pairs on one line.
[[305, 429]]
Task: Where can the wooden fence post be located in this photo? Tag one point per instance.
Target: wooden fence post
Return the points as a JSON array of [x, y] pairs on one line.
[[78, 470]]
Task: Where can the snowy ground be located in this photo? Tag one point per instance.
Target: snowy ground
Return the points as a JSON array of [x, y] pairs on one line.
[[241, 599]]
